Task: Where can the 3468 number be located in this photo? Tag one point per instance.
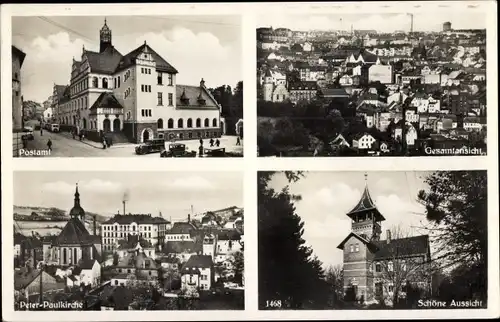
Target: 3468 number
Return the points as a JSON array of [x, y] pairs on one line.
[[273, 303]]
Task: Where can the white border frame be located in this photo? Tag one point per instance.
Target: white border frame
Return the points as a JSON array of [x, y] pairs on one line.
[[250, 163]]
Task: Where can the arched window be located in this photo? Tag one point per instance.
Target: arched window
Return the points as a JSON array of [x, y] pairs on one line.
[[214, 122], [190, 123], [378, 267], [207, 122], [160, 123], [198, 122], [170, 123], [104, 83], [180, 123], [95, 82]]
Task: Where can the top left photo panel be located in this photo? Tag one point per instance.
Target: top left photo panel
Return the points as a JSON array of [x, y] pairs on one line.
[[127, 86]]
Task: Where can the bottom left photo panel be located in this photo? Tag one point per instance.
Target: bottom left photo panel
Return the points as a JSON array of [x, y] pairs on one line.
[[128, 240]]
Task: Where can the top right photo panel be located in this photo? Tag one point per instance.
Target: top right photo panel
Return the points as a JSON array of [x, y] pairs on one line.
[[372, 84]]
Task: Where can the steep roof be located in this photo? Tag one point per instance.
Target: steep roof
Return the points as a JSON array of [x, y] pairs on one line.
[[197, 262], [60, 90], [87, 263], [228, 234], [178, 247], [19, 53], [334, 92], [365, 204], [181, 228], [304, 85], [132, 241], [129, 59], [194, 97], [137, 218], [24, 277], [402, 247], [106, 99], [105, 62], [74, 233], [365, 241]]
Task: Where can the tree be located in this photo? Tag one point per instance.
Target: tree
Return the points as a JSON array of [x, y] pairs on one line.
[[239, 267], [334, 277], [396, 270], [456, 206], [288, 272], [116, 258]]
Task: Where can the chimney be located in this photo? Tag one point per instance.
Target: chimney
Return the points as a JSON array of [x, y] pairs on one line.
[[189, 218], [95, 225], [202, 83], [124, 207], [388, 233]]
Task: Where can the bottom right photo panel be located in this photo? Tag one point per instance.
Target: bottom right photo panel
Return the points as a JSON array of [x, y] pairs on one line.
[[372, 240]]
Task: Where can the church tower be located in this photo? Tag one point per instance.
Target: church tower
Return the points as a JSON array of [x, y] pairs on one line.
[[77, 211], [366, 219], [268, 86], [105, 37]]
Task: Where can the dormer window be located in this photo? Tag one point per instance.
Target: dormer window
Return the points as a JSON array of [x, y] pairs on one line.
[[184, 98], [201, 100]]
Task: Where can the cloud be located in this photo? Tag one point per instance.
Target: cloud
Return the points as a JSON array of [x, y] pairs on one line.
[[91, 186], [194, 55], [191, 183]]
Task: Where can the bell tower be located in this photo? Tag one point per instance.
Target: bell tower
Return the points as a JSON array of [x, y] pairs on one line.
[[105, 37], [366, 219]]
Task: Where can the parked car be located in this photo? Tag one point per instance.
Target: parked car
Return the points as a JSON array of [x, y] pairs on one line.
[[177, 150], [215, 152], [154, 145], [28, 133], [54, 127]]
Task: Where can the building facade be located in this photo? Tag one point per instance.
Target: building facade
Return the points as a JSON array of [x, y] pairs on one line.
[[120, 227], [136, 96], [375, 269]]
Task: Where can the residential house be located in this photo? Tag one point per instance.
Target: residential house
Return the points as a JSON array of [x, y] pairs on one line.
[[411, 133], [363, 141], [182, 250], [369, 261], [197, 273], [28, 281], [302, 91], [474, 123]]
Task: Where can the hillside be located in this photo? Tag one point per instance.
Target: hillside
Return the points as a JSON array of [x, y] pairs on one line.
[[36, 213]]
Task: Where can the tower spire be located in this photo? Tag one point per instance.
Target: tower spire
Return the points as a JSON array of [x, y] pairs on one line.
[[77, 196]]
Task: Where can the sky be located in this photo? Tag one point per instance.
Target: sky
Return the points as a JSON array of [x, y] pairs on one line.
[[172, 193], [328, 196], [382, 22], [198, 47]]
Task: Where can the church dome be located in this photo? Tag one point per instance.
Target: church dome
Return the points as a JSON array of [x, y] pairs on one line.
[[77, 211]]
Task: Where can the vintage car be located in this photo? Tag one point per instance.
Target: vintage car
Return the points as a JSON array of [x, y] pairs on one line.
[[177, 150], [215, 152], [154, 145], [28, 133]]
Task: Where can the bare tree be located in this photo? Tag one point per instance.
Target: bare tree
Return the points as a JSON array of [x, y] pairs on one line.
[[402, 261], [334, 276]]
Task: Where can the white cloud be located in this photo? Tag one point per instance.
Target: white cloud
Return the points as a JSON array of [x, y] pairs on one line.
[[191, 183], [97, 186]]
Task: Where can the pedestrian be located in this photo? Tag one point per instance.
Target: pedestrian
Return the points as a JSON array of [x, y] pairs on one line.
[[80, 135], [104, 142], [41, 130], [200, 150], [201, 141], [73, 133], [211, 142], [217, 143], [238, 142], [107, 141], [49, 144]]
